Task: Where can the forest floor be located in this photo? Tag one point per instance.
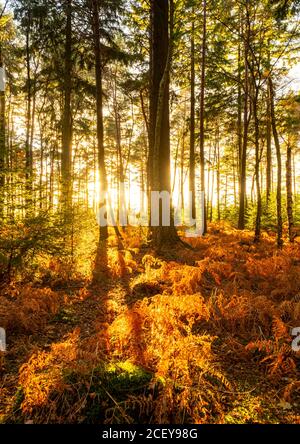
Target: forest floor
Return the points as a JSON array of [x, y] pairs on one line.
[[201, 335]]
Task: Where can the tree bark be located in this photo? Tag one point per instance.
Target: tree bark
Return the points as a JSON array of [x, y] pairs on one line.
[[2, 143], [218, 175], [289, 191], [239, 110], [279, 164], [160, 162], [202, 110], [28, 146], [269, 151], [66, 167], [99, 105], [192, 184], [269, 141], [243, 166], [257, 166]]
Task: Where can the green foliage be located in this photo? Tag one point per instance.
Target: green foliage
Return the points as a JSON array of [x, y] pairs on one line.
[[22, 240], [112, 386], [25, 242]]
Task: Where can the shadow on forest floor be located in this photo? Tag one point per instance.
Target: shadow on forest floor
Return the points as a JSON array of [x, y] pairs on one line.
[[165, 315]]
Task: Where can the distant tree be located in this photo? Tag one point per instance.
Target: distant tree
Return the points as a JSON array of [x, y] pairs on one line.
[[6, 30]]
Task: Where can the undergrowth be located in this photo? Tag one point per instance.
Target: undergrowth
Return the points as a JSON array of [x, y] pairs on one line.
[[202, 338]]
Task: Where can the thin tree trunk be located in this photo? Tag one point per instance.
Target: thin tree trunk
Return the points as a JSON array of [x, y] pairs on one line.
[[28, 147], [226, 192], [145, 116], [192, 184], [2, 143], [234, 183], [208, 197], [182, 158], [279, 165], [213, 181], [100, 126], [243, 171], [269, 150], [121, 175], [202, 110], [94, 173], [257, 167], [142, 188], [66, 167], [240, 105], [289, 191], [41, 194], [218, 179], [294, 174]]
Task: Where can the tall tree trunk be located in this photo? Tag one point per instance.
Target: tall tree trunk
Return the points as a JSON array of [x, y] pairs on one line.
[[66, 167], [218, 176], [2, 141], [226, 193], [239, 110], [279, 164], [121, 178], [269, 150], [257, 166], [289, 191], [9, 161], [182, 176], [31, 140], [161, 52], [142, 187], [41, 181], [234, 170], [192, 184], [147, 144], [202, 110], [243, 166], [208, 195], [213, 182], [294, 175], [28, 146], [100, 126]]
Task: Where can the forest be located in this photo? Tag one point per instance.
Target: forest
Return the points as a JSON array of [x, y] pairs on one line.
[[149, 212]]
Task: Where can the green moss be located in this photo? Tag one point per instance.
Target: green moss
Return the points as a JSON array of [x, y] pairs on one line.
[[14, 414], [112, 386], [65, 316], [250, 410], [125, 376], [18, 399]]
